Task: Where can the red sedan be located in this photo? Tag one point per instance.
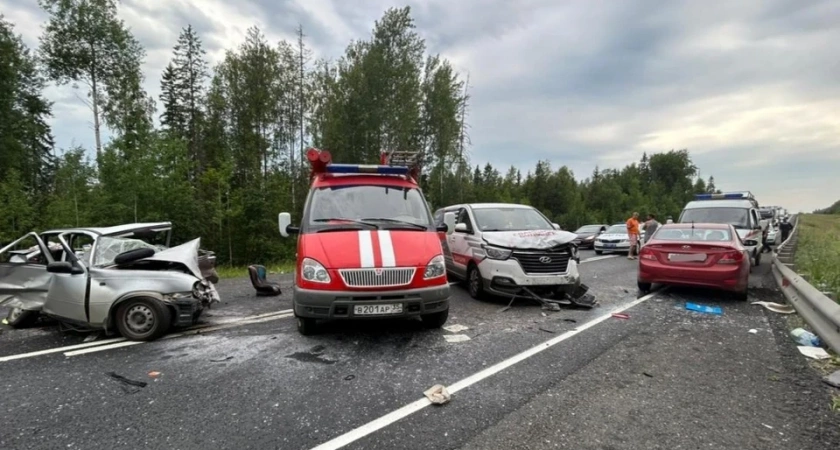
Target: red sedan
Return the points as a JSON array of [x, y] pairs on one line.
[[702, 254]]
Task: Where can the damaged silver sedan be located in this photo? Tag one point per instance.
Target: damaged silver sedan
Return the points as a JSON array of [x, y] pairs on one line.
[[107, 278]]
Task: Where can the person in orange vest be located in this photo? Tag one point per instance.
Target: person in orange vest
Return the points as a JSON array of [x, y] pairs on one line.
[[633, 233]]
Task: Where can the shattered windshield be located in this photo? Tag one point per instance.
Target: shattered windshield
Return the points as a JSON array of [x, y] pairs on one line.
[[510, 219], [107, 249], [369, 207], [738, 217]]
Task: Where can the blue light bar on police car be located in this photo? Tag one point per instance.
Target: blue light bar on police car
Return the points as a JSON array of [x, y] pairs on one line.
[[365, 168], [730, 195]]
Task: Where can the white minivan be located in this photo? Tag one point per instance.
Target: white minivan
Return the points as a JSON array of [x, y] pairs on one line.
[[510, 249], [737, 208]]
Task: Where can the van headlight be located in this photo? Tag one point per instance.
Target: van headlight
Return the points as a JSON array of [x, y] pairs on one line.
[[495, 252], [311, 270], [435, 268]]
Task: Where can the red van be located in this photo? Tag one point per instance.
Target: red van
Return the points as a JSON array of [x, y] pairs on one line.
[[367, 246]]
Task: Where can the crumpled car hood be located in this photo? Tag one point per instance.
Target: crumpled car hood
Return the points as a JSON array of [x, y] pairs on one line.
[[186, 254], [531, 239]]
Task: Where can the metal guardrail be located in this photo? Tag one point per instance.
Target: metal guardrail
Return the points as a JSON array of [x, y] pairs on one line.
[[818, 310]]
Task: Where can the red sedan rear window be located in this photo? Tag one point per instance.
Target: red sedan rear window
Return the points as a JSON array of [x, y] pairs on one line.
[[694, 234]]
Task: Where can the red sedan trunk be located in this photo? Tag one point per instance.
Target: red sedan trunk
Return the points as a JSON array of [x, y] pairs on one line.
[[717, 264]]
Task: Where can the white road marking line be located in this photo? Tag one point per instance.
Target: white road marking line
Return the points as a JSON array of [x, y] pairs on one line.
[[60, 349], [386, 249], [117, 340], [365, 249], [181, 334], [417, 405], [598, 258]]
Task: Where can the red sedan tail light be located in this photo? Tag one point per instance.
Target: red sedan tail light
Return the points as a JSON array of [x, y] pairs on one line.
[[733, 257], [647, 253]]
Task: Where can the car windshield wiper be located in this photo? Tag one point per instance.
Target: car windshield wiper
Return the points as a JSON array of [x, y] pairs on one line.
[[342, 219], [401, 222]]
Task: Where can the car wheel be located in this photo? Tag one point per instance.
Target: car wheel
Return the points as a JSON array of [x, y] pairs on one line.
[[306, 325], [435, 320], [474, 282], [20, 318], [599, 252], [743, 295], [143, 319], [643, 287]]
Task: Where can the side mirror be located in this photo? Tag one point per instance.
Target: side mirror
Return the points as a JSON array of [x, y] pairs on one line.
[[462, 227], [64, 267], [750, 243], [556, 226], [449, 222], [284, 221]]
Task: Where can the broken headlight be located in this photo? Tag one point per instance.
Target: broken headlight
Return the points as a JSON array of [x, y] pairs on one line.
[[314, 271], [496, 252]]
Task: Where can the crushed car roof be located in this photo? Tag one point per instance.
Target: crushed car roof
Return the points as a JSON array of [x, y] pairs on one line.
[[117, 229]]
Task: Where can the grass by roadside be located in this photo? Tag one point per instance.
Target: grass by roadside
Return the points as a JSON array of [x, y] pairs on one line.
[[818, 250], [242, 271]]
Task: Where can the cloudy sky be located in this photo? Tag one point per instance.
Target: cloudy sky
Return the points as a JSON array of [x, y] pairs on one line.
[[750, 87]]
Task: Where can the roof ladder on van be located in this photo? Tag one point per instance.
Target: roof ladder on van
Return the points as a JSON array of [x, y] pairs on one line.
[[406, 158]]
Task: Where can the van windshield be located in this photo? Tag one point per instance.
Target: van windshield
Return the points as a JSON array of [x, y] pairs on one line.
[[738, 217], [368, 207], [510, 219]]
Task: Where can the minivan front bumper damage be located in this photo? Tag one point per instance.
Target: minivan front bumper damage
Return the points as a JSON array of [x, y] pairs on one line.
[[506, 278]]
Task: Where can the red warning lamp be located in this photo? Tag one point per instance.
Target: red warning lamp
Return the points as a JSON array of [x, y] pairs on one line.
[[318, 159]]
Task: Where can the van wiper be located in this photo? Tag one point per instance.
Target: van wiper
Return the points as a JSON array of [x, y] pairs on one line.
[[342, 219], [402, 222]]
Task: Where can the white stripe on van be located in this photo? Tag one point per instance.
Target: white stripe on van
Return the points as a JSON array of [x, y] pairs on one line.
[[386, 249], [365, 249]]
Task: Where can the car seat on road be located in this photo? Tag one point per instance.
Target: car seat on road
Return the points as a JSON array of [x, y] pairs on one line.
[[264, 287]]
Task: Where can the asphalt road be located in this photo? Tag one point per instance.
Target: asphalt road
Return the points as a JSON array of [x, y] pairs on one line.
[[663, 378]]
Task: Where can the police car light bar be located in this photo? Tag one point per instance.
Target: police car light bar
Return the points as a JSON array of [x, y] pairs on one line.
[[725, 195]]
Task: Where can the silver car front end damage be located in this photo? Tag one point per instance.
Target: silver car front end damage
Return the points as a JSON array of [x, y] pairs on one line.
[[85, 287]]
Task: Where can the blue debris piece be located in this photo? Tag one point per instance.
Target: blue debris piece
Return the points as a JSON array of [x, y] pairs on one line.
[[703, 308]]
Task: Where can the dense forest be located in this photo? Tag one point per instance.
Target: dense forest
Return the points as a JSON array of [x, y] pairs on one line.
[[227, 155]]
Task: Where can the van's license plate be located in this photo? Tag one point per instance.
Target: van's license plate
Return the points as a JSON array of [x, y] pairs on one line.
[[375, 310]]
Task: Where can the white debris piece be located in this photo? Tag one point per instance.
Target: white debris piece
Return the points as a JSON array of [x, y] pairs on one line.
[[456, 337], [813, 352], [455, 328], [438, 394], [776, 307], [753, 331]]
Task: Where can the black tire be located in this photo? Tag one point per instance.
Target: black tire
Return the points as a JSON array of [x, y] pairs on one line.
[[143, 319], [21, 318], [643, 287], [306, 325], [599, 252], [475, 284], [435, 320], [743, 296], [133, 255]]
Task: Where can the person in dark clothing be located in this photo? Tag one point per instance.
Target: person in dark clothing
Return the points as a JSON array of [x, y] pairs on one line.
[[786, 228]]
